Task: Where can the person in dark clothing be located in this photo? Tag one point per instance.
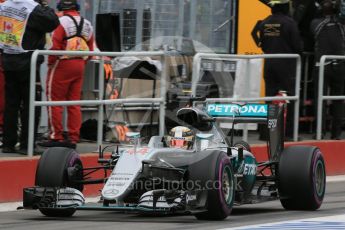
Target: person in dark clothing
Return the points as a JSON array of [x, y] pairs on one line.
[[329, 36], [24, 28], [304, 11], [279, 34]]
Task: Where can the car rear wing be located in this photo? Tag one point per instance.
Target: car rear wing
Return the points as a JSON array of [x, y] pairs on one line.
[[238, 113], [271, 115]]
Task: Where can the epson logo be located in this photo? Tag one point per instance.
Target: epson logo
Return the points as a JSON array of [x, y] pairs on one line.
[[272, 123]]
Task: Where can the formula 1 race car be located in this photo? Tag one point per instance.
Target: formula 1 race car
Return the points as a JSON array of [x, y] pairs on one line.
[[195, 169]]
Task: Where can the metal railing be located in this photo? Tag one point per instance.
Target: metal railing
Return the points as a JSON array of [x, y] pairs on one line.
[[98, 102], [223, 57], [322, 97], [306, 75]]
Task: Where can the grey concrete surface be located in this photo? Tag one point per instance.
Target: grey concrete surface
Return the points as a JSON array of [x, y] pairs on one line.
[[334, 204]]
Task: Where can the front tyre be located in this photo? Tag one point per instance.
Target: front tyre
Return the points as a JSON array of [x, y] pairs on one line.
[[302, 178], [220, 197], [59, 167], [243, 144]]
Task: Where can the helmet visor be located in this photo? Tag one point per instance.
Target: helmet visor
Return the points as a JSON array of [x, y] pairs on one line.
[[178, 143]]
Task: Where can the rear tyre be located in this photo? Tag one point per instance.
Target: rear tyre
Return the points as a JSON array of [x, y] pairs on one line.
[[53, 171], [302, 178], [220, 197]]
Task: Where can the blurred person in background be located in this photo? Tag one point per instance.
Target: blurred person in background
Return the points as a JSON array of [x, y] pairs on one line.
[[329, 38], [279, 34], [65, 74], [23, 30], [303, 12]]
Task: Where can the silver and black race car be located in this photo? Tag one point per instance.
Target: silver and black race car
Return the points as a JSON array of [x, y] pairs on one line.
[[206, 178]]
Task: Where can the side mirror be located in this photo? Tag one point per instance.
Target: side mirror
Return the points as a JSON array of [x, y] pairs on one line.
[[134, 137]]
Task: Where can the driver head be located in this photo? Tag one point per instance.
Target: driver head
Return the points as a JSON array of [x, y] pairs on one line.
[[180, 137]]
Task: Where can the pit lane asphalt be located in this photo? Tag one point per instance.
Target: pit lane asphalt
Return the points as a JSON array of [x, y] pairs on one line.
[[334, 204]]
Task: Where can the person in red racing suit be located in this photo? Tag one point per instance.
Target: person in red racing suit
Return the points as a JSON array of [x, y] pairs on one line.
[[65, 74]]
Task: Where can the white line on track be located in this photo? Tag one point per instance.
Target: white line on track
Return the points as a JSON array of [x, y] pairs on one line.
[[326, 222], [335, 178], [6, 207]]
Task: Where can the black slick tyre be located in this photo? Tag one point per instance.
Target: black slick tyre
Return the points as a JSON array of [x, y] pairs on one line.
[[220, 196], [52, 171], [302, 178]]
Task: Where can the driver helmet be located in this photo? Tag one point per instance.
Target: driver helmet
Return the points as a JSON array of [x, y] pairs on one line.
[[180, 137], [278, 2]]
